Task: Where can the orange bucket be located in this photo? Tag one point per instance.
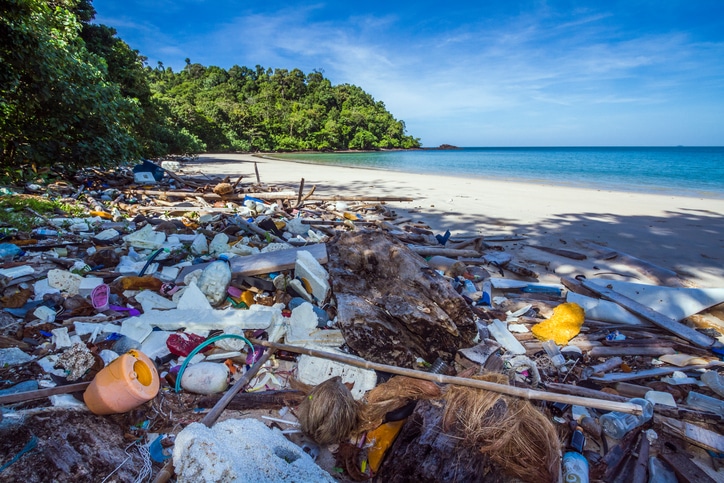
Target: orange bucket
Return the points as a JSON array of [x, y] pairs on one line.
[[122, 385]]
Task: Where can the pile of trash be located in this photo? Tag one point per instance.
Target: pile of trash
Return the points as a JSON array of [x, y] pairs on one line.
[[212, 330]]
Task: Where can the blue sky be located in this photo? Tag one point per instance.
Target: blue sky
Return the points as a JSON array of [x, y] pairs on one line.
[[483, 73]]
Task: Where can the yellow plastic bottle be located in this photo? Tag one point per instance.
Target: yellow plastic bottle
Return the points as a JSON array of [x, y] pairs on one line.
[[122, 385]]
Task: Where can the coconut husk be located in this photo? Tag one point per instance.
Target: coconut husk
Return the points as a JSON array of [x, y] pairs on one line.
[[223, 189], [392, 395], [511, 431], [329, 413]]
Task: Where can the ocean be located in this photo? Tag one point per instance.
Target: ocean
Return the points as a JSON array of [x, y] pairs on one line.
[[682, 171]]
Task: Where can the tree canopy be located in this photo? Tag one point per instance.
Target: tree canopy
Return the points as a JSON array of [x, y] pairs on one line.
[[73, 94]]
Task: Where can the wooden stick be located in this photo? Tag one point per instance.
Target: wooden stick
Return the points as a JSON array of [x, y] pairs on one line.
[[256, 172], [524, 393], [301, 192], [41, 393], [210, 418], [659, 319]]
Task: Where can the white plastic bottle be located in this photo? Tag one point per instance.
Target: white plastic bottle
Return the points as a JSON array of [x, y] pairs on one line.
[[616, 424]]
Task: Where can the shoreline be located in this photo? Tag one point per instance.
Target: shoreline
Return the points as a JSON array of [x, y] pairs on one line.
[[611, 185], [684, 234], [686, 192]]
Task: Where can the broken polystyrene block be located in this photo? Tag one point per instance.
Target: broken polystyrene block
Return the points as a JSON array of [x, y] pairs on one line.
[[151, 300], [42, 287], [315, 370], [200, 245], [64, 281], [314, 276], [298, 287], [169, 273], [233, 449], [135, 329], [193, 298], [17, 272], [87, 284], [303, 329], [13, 356], [257, 317], [146, 238], [44, 313], [155, 344], [61, 337], [219, 245]]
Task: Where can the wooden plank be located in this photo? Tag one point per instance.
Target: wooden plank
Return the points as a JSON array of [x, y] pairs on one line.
[[694, 434], [430, 251], [686, 470], [265, 262], [655, 372], [42, 393], [666, 323]]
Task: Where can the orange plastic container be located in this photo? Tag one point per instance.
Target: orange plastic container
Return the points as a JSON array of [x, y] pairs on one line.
[[122, 385]]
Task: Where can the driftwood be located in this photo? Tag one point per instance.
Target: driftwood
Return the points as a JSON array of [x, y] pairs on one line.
[[521, 392], [667, 323], [392, 307]]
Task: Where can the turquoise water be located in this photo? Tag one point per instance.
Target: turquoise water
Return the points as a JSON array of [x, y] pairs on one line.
[[683, 171]]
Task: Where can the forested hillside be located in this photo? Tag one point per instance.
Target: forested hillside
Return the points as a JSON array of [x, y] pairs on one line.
[[73, 94], [259, 109]]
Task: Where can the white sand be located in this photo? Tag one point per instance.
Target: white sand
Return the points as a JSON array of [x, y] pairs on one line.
[[679, 233]]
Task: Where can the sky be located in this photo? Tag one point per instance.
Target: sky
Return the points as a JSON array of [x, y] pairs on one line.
[[473, 73]]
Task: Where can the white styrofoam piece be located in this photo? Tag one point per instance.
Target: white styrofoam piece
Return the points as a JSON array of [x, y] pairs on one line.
[[64, 281], [17, 272], [45, 313], [193, 299], [238, 450], [674, 302], [61, 338], [604, 310], [155, 344], [136, 329], [146, 238], [315, 370], [257, 317], [150, 300], [87, 284], [42, 287], [308, 268], [661, 398], [12, 356], [303, 330]]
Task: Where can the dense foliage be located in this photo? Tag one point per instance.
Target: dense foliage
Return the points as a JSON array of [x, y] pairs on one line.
[[73, 94], [259, 109]]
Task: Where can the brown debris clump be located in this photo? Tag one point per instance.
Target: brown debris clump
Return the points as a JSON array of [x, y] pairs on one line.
[[516, 435], [392, 395], [329, 414]]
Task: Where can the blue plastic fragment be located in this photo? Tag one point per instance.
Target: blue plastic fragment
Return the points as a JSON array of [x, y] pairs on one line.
[[442, 239], [156, 449]]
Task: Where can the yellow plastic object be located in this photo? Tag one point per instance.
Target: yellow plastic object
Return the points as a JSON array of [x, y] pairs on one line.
[[564, 324], [382, 438], [102, 214], [247, 297], [122, 385]]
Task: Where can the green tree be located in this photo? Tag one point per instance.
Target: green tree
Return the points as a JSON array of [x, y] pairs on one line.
[[57, 107]]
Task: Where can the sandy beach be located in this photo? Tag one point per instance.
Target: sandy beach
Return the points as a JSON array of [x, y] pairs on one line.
[[682, 234]]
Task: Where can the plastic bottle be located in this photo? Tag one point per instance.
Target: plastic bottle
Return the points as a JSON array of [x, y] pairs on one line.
[[554, 353], [214, 281], [575, 468], [616, 424], [9, 250]]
